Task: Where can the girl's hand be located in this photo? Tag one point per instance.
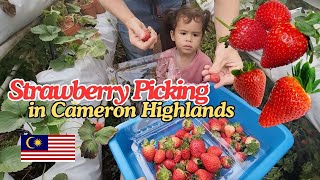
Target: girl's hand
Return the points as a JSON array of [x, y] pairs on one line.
[[138, 32], [226, 60]]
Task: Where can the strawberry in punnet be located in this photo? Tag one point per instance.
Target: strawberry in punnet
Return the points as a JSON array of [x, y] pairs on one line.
[[289, 98], [197, 147], [229, 130], [238, 127], [178, 174], [187, 136], [215, 125], [285, 44], [207, 126], [169, 164], [211, 162], [272, 13], [169, 154], [252, 146], [199, 130], [157, 167], [148, 149], [246, 35], [214, 150], [159, 156], [227, 141], [240, 156], [236, 146], [226, 162], [223, 121], [250, 83], [163, 174], [176, 141], [162, 143], [177, 155], [202, 174], [251, 140], [185, 150], [191, 166], [187, 124], [180, 133]]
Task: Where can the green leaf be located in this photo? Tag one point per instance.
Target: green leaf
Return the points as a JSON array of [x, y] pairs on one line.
[[61, 176], [1, 175], [316, 83], [317, 51], [236, 72], [84, 20], [17, 107], [99, 49], [40, 29], [34, 120], [54, 130], [10, 121], [42, 130], [59, 64], [10, 160], [48, 37], [72, 8], [89, 149], [313, 18], [64, 39], [52, 121], [51, 19], [86, 131], [105, 134], [305, 28]]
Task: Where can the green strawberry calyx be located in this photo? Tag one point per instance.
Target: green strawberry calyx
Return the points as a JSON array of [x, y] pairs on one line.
[[247, 66], [306, 76]]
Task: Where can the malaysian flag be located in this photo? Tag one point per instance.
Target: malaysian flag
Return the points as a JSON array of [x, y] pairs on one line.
[[48, 148]]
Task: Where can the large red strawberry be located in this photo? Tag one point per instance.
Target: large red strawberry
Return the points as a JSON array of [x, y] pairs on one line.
[[148, 149], [214, 150], [191, 166], [250, 83], [289, 99], [169, 164], [211, 162], [271, 13], [285, 44], [197, 147], [246, 35]]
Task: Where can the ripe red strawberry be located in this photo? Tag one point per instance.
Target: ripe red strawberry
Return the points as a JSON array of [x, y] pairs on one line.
[[177, 155], [207, 126], [178, 174], [191, 166], [187, 124], [240, 156], [285, 44], [223, 121], [146, 36], [98, 126], [197, 147], [226, 162], [243, 139], [180, 133], [148, 149], [214, 77], [169, 154], [227, 141], [214, 150], [289, 99], [160, 156], [236, 146], [238, 127], [211, 162], [229, 130], [215, 125], [202, 174], [250, 83], [271, 13], [162, 143], [176, 141], [163, 173], [187, 135], [169, 164]]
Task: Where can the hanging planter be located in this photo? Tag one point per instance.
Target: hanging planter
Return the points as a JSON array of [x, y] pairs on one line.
[[88, 8], [99, 8]]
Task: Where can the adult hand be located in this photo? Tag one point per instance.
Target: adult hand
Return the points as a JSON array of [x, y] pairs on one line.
[[137, 31], [226, 60]]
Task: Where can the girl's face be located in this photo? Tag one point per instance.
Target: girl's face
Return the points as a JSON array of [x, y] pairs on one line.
[[187, 36]]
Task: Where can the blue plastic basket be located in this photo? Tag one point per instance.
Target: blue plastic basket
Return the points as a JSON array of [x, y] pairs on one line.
[[274, 141]]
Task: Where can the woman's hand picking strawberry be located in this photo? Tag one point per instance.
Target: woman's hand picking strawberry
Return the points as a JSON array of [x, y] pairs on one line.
[[138, 34]]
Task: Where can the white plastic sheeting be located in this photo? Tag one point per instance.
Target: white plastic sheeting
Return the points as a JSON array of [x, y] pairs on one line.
[[26, 12]]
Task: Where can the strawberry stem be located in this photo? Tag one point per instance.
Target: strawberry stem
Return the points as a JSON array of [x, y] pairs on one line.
[[224, 24], [247, 66]]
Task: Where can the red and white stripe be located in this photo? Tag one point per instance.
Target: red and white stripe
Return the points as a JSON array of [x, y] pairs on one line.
[[61, 148]]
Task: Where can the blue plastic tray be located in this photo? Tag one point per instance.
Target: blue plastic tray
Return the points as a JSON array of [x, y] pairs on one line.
[[275, 141]]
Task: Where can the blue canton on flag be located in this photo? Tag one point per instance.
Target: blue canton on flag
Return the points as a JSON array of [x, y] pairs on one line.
[[47, 148]]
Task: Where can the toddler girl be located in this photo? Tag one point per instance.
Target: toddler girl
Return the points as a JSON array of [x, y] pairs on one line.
[[186, 60]]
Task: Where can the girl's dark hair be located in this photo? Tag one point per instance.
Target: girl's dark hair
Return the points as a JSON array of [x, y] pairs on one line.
[[188, 13]]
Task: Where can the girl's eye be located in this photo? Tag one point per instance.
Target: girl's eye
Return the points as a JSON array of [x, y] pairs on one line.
[[183, 33], [195, 35]]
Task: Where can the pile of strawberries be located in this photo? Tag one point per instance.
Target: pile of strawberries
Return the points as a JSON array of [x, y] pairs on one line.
[[282, 44], [184, 154]]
